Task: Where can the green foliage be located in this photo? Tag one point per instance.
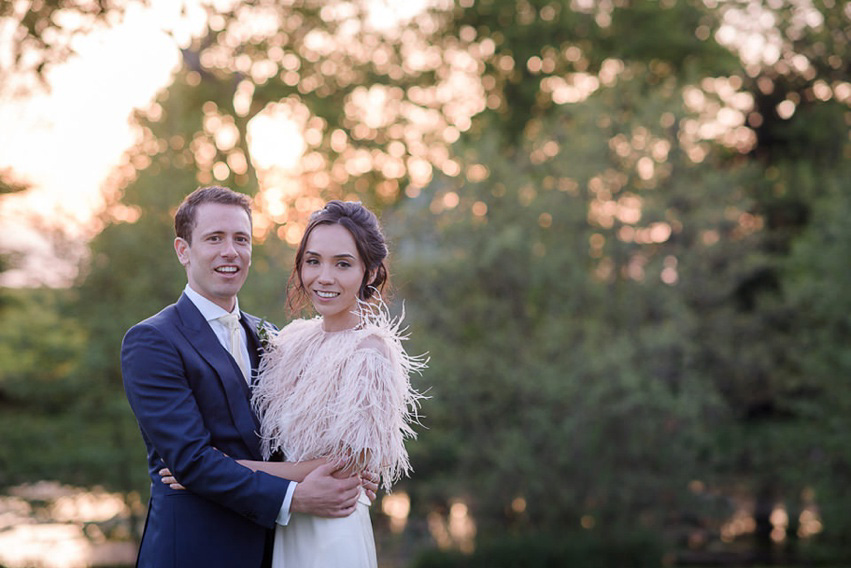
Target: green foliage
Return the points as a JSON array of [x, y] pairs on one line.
[[575, 375], [817, 279], [633, 325], [38, 350]]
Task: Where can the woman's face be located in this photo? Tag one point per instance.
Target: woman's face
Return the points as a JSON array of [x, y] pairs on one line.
[[332, 273]]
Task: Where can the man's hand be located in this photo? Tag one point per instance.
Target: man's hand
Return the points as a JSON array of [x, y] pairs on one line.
[[169, 479], [324, 495]]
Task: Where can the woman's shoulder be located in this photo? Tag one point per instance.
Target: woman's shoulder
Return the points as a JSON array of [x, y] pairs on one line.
[[381, 332], [374, 340]]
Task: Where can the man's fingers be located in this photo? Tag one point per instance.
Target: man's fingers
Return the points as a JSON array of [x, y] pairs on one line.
[[345, 511], [168, 479]]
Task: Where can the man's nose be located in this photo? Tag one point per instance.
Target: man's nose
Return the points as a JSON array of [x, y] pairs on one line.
[[229, 250]]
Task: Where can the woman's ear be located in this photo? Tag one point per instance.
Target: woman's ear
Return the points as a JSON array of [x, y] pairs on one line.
[[368, 279]]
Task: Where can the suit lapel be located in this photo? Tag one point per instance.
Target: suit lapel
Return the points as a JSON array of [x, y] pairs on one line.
[[250, 323], [199, 333]]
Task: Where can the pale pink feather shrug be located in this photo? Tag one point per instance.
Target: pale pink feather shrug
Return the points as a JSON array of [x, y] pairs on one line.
[[340, 395]]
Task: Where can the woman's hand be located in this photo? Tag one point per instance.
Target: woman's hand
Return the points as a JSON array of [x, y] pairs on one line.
[[169, 479], [369, 483], [349, 467]]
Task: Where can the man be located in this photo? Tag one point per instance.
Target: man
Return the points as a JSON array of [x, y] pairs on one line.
[[187, 378]]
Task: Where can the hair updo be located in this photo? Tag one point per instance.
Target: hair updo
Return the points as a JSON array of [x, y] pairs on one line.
[[363, 225]]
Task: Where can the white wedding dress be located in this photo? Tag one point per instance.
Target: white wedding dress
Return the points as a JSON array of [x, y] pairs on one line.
[[316, 542], [344, 395]]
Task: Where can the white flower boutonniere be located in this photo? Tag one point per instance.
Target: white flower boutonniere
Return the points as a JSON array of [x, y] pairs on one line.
[[265, 331]]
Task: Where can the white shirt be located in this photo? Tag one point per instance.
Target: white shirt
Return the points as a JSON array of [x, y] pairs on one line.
[[211, 313]]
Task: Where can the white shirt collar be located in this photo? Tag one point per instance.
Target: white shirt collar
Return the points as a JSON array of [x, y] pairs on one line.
[[208, 309]]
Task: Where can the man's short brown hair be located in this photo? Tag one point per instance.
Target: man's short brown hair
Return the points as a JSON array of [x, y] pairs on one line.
[[184, 218]]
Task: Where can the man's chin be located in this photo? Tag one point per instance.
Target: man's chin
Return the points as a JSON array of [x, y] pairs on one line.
[[228, 293]]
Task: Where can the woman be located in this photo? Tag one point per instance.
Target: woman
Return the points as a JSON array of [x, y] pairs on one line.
[[336, 387]]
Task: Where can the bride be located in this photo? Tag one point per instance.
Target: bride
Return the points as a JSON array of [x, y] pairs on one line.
[[335, 388]]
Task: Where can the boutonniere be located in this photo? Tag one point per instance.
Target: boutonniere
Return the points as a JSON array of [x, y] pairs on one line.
[[265, 331]]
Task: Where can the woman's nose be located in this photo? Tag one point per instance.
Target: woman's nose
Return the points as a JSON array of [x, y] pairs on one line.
[[325, 275]]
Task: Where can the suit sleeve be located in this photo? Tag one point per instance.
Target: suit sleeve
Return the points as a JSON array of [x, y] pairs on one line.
[[168, 415]]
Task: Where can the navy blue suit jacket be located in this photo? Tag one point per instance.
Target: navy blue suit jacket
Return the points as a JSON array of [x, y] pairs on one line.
[[193, 406]]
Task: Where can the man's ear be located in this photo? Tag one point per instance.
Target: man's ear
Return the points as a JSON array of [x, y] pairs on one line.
[[181, 247]]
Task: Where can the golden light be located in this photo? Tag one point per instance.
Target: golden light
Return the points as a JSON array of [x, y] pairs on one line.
[[786, 109], [809, 523], [576, 87], [842, 91], [477, 173], [742, 522], [779, 519], [292, 234], [439, 530], [462, 528], [47, 545], [518, 505], [275, 137], [670, 276], [242, 97], [64, 533], [451, 200], [397, 506], [412, 191]]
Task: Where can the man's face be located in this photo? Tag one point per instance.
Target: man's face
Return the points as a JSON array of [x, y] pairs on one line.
[[217, 261]]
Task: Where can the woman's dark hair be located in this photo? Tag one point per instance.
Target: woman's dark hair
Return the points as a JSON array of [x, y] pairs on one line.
[[369, 240]]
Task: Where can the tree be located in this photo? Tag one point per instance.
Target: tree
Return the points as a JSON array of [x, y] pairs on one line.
[[40, 34]]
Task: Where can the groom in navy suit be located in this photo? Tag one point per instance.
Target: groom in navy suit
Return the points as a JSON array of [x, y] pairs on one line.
[[187, 377]]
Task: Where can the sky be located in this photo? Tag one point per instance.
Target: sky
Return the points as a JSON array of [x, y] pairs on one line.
[[64, 143]]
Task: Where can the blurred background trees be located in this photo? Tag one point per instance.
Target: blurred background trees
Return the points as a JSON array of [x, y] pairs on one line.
[[619, 228]]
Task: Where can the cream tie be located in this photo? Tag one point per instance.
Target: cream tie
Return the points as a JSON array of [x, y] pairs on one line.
[[231, 321]]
